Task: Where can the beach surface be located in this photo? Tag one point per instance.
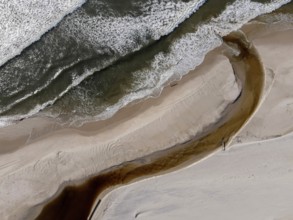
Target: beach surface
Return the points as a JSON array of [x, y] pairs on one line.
[[40, 157]]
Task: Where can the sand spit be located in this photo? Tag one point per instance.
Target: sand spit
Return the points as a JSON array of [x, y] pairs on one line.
[[77, 202]]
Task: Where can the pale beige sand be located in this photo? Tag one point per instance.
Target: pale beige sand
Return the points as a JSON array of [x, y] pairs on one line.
[[32, 173], [251, 181]]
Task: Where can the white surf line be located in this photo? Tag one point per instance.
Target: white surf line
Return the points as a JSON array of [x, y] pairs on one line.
[[185, 15], [48, 82], [16, 37]]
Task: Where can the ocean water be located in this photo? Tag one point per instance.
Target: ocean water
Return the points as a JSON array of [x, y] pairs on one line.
[[78, 61]]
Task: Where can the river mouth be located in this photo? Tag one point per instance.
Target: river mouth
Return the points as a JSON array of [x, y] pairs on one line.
[[79, 202]]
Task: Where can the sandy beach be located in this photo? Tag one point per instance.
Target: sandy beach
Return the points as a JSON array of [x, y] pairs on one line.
[[39, 157]]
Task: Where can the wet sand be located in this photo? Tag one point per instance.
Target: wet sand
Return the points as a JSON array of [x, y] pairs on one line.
[[76, 202]]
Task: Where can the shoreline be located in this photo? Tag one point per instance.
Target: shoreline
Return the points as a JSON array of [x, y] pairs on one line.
[[127, 113]]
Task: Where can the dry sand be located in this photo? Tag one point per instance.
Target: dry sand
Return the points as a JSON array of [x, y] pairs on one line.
[[36, 160]]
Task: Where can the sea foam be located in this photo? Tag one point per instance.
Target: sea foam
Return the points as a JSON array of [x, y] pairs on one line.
[[24, 22], [120, 34]]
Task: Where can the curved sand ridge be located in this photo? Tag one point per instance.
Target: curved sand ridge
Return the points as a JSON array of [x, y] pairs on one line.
[[77, 201]]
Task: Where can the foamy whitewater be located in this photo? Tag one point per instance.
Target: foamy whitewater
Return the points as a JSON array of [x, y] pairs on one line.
[[75, 64], [24, 22]]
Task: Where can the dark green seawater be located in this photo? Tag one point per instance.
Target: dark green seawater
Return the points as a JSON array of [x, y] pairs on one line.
[[109, 53]]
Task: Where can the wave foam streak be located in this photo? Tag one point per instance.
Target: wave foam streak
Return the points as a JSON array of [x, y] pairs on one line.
[[24, 22]]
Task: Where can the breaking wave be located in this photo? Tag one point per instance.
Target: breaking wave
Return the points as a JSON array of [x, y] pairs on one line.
[[24, 22]]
